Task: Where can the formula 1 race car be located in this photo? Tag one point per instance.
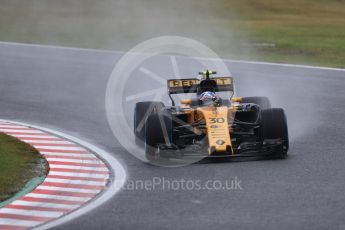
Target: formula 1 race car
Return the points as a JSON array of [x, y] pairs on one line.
[[210, 126]]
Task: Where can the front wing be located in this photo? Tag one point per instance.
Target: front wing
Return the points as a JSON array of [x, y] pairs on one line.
[[249, 149]]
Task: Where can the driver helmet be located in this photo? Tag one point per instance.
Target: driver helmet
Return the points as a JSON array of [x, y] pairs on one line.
[[208, 96]]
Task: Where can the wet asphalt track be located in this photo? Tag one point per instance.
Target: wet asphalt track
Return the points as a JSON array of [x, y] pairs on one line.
[[64, 89]]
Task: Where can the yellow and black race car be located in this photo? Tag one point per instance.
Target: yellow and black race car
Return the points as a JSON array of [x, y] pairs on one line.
[[208, 125]]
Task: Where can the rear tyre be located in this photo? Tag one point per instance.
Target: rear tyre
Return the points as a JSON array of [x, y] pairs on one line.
[[158, 131], [274, 126], [141, 112], [263, 102]]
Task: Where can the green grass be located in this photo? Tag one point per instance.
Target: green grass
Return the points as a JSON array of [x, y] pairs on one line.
[[308, 31], [303, 31], [19, 163]]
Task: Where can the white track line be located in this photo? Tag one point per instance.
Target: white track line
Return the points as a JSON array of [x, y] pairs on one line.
[[68, 154], [63, 189], [4, 126], [47, 141], [68, 181], [16, 222], [22, 131], [105, 176], [24, 136], [52, 214], [54, 166], [56, 197], [44, 204], [58, 148], [121, 53], [95, 161], [284, 65]]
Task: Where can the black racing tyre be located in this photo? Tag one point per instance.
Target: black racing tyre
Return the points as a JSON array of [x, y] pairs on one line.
[[158, 130], [274, 126], [263, 102], [141, 112]]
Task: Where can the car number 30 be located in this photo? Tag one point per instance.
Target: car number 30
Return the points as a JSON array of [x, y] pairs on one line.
[[214, 120]]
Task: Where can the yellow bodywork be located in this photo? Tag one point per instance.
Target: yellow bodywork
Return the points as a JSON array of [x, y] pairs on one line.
[[217, 128], [217, 120]]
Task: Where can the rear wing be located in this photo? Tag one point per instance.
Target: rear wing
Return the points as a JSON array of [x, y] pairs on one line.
[[190, 85]]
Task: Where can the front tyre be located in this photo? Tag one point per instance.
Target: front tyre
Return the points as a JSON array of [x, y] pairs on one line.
[[158, 133], [274, 126], [141, 112]]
